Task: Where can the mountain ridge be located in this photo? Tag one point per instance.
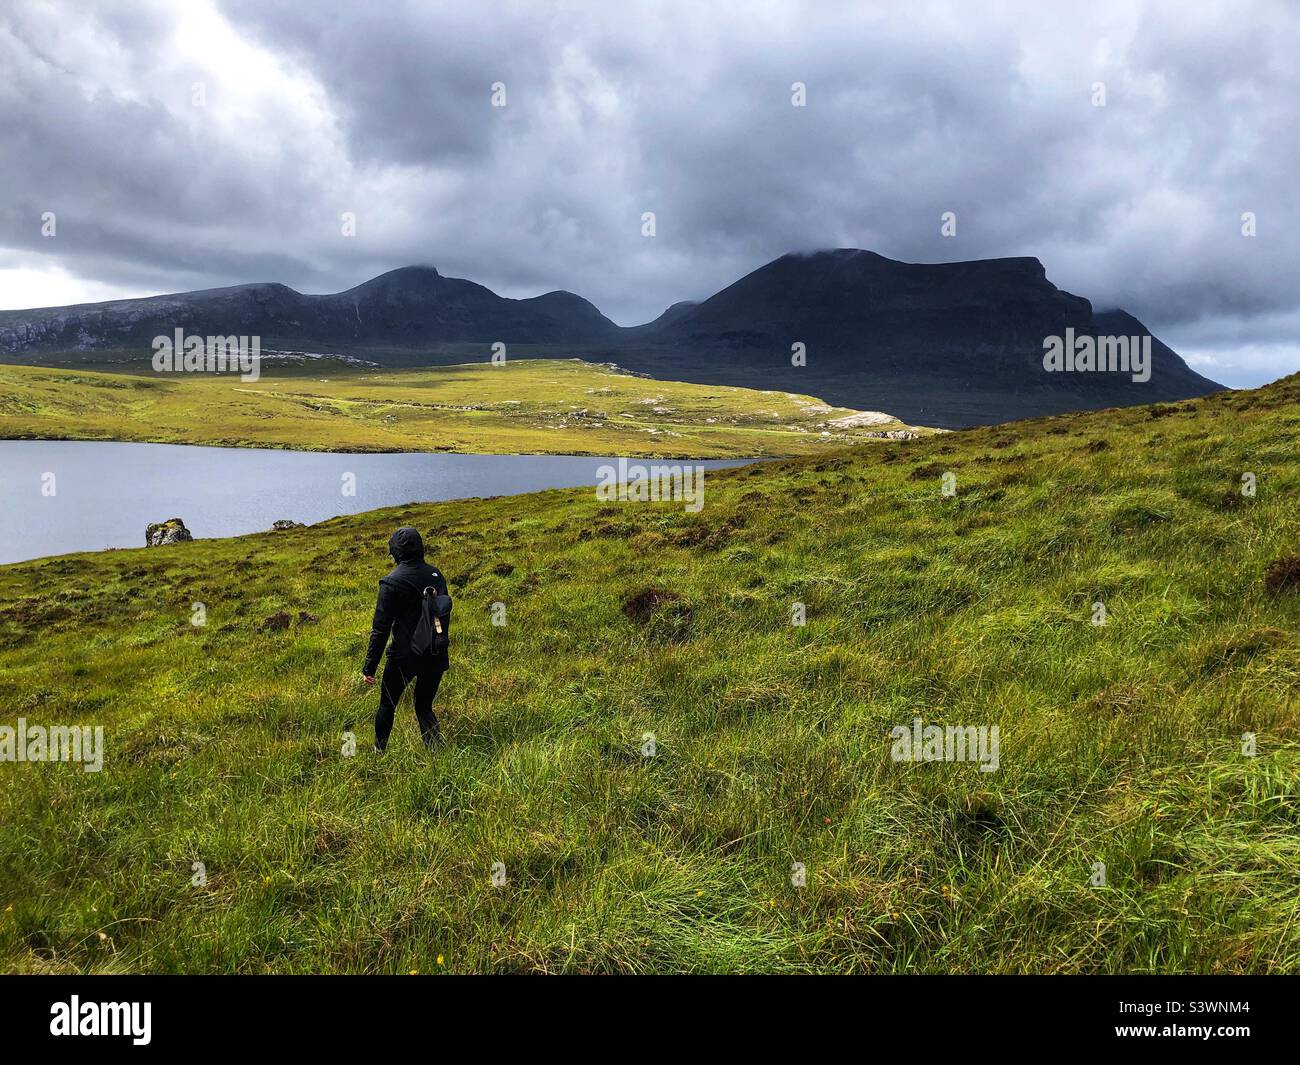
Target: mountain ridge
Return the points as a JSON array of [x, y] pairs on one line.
[[964, 339]]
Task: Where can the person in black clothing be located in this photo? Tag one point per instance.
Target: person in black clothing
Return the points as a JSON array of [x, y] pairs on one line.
[[398, 610]]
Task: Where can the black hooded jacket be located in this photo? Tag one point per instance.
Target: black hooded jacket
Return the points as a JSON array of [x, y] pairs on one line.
[[397, 609]]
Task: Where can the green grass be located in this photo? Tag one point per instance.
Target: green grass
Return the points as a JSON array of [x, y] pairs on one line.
[[1120, 744], [521, 407]]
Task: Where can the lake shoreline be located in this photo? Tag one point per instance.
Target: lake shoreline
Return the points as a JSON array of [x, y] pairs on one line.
[[304, 450], [78, 496]]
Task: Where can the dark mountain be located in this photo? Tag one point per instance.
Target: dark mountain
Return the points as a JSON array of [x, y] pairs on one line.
[[947, 344], [408, 308], [673, 314], [416, 306], [859, 303]]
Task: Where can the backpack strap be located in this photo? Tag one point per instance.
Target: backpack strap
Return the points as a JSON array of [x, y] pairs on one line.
[[430, 593]]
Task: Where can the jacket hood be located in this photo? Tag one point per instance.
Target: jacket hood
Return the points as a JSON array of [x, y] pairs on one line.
[[405, 545]]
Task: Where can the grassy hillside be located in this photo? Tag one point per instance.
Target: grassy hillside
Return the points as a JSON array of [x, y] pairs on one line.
[[1120, 743], [520, 407]]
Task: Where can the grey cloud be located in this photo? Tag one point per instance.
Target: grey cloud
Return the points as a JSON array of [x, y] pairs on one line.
[[682, 109]]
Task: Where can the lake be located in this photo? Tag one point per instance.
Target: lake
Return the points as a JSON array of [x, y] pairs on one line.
[[106, 493]]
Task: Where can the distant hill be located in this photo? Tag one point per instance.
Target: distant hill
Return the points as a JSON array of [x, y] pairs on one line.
[[861, 305], [947, 344], [672, 315], [412, 307]]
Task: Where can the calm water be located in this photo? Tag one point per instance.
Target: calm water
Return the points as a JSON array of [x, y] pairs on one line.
[[106, 493]]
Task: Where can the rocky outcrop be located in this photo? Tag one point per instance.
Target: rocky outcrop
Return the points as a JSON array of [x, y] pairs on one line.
[[161, 533], [285, 523], [861, 418], [893, 434]]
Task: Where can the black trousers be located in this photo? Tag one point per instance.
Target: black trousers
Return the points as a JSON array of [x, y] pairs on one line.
[[397, 675]]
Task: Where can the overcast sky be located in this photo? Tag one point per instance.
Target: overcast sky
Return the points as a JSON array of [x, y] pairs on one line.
[[306, 110]]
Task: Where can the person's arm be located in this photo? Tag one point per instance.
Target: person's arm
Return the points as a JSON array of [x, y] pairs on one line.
[[380, 627]]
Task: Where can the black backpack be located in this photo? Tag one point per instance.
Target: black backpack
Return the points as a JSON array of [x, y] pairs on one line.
[[430, 636]]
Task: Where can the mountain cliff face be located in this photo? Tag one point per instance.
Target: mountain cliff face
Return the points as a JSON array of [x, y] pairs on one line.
[[946, 344]]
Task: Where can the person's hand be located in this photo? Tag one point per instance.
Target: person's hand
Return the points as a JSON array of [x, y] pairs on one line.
[[368, 679]]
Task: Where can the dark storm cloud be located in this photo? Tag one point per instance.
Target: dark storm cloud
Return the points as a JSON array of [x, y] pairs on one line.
[[913, 109]]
